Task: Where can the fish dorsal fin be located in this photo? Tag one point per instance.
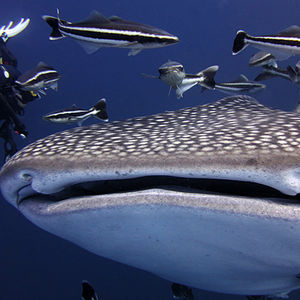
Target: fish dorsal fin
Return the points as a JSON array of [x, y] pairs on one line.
[[297, 67], [241, 78], [95, 18], [264, 75], [212, 69], [293, 30], [41, 64], [115, 18]]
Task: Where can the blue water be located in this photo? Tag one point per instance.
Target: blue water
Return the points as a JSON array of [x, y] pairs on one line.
[[37, 265]]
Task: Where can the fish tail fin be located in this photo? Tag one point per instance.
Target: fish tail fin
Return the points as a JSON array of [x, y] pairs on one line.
[[208, 77], [292, 73], [53, 23], [297, 108], [100, 110], [239, 42]]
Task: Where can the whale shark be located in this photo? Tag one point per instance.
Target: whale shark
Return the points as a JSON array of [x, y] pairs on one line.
[[204, 196]]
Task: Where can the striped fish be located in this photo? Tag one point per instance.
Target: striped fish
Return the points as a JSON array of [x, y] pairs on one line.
[[238, 86], [39, 79], [271, 71], [98, 31], [281, 45], [78, 115]]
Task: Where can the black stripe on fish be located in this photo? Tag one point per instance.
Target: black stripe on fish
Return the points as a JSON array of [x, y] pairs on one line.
[[285, 41], [240, 41], [133, 36], [66, 114], [46, 76], [75, 114]]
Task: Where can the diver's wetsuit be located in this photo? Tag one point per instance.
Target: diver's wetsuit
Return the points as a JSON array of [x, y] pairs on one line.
[[10, 147], [12, 100]]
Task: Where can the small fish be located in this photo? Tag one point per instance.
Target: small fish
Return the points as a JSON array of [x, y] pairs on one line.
[[281, 45], [262, 58], [294, 73], [240, 85], [271, 72], [78, 115], [88, 292], [98, 31], [172, 73], [182, 292], [290, 73], [39, 79]]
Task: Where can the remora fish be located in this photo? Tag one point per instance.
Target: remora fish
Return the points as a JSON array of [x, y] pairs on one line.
[[294, 73], [281, 45], [88, 292], [291, 74], [78, 115], [98, 31], [238, 86], [271, 72], [172, 73], [262, 58], [39, 79], [135, 190]]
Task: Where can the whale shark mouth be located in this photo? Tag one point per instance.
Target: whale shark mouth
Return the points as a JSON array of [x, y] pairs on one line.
[[177, 184]]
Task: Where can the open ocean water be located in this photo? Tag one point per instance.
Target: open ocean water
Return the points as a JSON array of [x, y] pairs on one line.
[[37, 265]]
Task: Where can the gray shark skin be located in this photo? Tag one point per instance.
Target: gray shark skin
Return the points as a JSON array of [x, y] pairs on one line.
[[225, 242]]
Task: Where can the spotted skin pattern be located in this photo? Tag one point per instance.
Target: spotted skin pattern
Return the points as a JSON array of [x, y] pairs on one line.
[[235, 123], [235, 126]]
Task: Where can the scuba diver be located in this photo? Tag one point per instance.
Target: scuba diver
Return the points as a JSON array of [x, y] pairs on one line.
[[12, 99]]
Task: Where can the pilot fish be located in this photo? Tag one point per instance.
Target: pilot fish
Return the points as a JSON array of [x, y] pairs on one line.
[[203, 196], [78, 115], [98, 31], [282, 45], [39, 79], [172, 73]]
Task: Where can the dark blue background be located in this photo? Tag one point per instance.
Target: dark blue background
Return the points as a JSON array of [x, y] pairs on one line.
[[37, 265]]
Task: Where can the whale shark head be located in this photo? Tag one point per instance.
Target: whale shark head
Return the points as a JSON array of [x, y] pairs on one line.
[[203, 196]]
